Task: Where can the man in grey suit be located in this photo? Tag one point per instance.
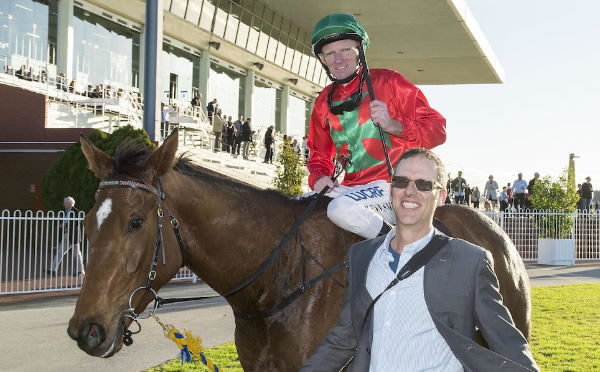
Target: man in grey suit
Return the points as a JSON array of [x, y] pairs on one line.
[[427, 321]]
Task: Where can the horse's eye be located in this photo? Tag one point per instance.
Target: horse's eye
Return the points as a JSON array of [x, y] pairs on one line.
[[135, 224]]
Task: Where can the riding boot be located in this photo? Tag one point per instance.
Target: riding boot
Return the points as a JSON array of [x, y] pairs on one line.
[[384, 229]]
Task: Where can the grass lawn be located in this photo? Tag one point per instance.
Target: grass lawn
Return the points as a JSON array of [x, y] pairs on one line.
[[565, 333]]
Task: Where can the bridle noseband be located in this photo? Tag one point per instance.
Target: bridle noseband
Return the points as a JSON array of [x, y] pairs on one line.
[[158, 245]]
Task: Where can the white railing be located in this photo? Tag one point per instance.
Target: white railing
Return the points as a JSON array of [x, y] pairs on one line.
[[30, 252], [526, 227], [29, 241]]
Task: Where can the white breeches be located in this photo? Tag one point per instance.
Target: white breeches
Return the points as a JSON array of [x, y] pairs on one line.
[[361, 209]]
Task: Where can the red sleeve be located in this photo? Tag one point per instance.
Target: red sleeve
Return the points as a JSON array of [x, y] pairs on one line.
[[322, 149], [422, 126]]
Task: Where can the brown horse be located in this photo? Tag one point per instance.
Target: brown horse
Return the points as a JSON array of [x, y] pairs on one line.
[[227, 230]]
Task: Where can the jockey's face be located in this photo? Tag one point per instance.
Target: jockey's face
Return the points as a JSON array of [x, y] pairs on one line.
[[341, 57]]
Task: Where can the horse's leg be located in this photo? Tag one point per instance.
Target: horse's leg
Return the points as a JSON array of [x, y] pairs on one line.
[[473, 226]]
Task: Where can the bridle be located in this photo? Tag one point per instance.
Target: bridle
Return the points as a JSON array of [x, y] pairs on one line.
[[158, 245]]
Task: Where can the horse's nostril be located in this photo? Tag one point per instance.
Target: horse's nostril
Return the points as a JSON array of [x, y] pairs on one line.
[[90, 336]]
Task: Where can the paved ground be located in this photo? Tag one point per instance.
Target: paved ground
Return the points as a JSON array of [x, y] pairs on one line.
[[34, 330]]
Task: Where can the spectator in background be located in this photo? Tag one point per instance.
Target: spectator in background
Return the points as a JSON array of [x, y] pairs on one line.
[[197, 101], [230, 134], [530, 188], [210, 109], [296, 147], [108, 92], [468, 192], [458, 185], [491, 191], [31, 75], [475, 196], [164, 119], [90, 92], [305, 149], [61, 83], [578, 204], [22, 72], [519, 191], [237, 127], [503, 199], [73, 87], [509, 193], [43, 76], [268, 143], [70, 237], [217, 123], [246, 137], [586, 194]]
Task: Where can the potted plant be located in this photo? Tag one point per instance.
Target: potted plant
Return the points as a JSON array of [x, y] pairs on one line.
[[554, 201]]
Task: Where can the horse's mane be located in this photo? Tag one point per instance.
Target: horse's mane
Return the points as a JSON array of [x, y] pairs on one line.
[[130, 158], [185, 165]]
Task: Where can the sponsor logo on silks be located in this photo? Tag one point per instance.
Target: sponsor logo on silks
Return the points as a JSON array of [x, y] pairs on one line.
[[368, 193]]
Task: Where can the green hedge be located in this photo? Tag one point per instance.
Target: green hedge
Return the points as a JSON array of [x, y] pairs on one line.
[[70, 176]]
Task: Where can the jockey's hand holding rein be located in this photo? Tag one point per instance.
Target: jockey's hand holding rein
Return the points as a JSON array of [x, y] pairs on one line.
[[381, 116], [325, 181]]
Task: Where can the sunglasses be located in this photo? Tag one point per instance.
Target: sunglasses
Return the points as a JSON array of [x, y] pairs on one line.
[[401, 182]]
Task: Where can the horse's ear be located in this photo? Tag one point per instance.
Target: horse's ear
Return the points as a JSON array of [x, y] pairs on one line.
[[99, 162], [163, 158]]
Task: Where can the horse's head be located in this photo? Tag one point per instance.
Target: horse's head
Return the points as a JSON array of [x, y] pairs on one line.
[[122, 229]]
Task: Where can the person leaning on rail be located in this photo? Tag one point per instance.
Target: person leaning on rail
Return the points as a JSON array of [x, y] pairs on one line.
[[344, 123]]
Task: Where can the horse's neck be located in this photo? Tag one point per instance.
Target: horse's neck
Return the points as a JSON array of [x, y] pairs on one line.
[[227, 232]]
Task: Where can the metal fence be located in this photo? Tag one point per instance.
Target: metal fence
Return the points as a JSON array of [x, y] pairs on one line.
[[30, 241], [39, 252], [526, 227]]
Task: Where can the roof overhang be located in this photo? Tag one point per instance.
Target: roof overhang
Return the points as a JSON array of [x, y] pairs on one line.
[[427, 41]]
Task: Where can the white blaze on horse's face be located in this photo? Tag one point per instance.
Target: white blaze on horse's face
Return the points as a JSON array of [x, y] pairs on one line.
[[103, 211]]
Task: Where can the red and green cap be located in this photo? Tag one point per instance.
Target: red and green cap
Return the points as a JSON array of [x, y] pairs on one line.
[[338, 26]]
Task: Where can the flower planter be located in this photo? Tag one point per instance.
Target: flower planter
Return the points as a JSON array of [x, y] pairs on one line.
[[556, 251]]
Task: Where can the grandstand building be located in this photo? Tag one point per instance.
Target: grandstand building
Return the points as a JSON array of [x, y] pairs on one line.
[[253, 56]]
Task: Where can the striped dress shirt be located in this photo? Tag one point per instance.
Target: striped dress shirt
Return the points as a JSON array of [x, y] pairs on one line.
[[404, 335]]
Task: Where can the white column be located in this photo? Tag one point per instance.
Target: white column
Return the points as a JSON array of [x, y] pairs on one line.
[[284, 109], [204, 75], [248, 94], [64, 42]]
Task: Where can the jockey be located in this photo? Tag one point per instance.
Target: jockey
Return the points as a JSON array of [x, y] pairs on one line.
[[342, 125]]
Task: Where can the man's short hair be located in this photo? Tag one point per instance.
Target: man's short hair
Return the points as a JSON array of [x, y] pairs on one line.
[[70, 200], [441, 170]]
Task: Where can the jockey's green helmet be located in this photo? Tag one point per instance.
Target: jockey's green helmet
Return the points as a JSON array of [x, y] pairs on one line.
[[338, 26]]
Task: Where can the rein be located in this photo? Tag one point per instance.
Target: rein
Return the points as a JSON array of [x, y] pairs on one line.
[[305, 284], [158, 246]]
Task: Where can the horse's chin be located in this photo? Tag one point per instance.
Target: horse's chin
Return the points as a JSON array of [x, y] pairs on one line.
[[116, 344]]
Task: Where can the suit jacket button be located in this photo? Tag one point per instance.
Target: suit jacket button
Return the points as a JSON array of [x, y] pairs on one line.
[[369, 350]]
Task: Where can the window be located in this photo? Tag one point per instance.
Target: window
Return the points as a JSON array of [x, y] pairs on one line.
[[208, 13], [193, 11], [178, 7]]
